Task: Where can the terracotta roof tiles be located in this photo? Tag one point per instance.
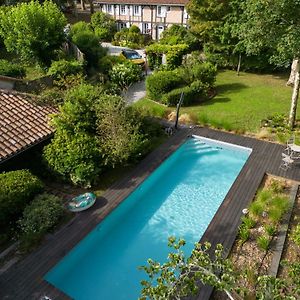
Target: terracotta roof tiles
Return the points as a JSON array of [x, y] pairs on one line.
[[23, 123]]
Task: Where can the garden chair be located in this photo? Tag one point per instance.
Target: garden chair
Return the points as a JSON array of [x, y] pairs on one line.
[[286, 162], [290, 142]]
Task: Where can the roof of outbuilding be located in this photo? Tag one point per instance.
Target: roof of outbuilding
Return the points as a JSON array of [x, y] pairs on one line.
[[150, 2], [23, 123]]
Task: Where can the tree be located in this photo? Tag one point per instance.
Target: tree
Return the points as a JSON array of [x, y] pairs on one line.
[[93, 130], [104, 26], [177, 34], [83, 36], [180, 276], [33, 30], [275, 24], [73, 152], [206, 17], [118, 131]]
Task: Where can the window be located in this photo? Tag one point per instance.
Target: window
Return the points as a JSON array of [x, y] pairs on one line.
[[109, 8], [161, 11], [122, 10], [122, 25], [168, 8], [146, 28], [136, 10]]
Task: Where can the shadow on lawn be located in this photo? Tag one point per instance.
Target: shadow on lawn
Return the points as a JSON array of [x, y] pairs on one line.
[[230, 87]]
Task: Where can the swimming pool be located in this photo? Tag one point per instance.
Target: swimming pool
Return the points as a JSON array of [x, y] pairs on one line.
[[179, 198]]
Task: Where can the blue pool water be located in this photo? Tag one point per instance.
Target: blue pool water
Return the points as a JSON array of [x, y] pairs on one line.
[[179, 198]]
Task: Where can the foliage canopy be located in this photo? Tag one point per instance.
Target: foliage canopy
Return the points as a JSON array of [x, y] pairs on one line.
[[33, 30]]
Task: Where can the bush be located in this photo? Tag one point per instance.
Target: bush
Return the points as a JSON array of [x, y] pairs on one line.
[[197, 92], [17, 188], [162, 82], [12, 70], [124, 74], [174, 55], [80, 27], [86, 40], [205, 72], [74, 156], [107, 62], [295, 235], [62, 68], [41, 215], [131, 38]]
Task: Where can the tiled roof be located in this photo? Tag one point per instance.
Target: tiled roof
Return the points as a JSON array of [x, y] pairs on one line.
[[23, 123], [150, 2]]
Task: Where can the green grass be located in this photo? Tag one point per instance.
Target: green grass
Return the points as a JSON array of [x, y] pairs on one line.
[[241, 101]]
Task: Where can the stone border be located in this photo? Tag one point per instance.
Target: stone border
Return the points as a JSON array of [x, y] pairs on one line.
[[282, 233]]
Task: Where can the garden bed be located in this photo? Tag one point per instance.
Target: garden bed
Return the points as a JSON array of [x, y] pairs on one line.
[[260, 233]]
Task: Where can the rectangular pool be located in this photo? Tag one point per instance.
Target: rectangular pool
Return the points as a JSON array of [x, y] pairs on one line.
[[178, 199]]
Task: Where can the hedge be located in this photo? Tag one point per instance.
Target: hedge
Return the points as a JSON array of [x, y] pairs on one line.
[[63, 68], [12, 70], [17, 189], [174, 55], [162, 82], [41, 215], [196, 92]]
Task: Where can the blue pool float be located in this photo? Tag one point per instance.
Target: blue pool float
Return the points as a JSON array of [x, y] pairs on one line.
[[81, 202]]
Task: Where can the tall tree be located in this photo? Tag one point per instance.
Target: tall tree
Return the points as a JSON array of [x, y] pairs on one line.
[[206, 18], [33, 30], [274, 24]]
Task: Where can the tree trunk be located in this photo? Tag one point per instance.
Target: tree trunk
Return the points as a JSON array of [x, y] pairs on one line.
[[239, 65], [296, 75], [91, 6], [291, 80]]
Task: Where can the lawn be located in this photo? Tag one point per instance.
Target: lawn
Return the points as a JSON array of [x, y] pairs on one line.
[[240, 104]]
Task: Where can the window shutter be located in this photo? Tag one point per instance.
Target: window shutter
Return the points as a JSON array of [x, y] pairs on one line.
[[117, 10], [163, 11]]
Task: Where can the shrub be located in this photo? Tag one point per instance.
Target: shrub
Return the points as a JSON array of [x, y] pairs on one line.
[[62, 68], [244, 234], [74, 156], [256, 208], [107, 62], [124, 74], [131, 38], [89, 44], [295, 236], [17, 188], [270, 229], [174, 55], [80, 27], [264, 196], [162, 82], [40, 216], [205, 72], [12, 70], [263, 242], [248, 222], [194, 93], [52, 96]]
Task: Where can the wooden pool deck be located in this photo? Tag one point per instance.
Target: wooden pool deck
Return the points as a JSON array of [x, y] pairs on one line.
[[25, 279]]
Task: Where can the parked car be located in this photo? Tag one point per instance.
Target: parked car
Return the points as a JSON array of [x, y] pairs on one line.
[[133, 56]]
